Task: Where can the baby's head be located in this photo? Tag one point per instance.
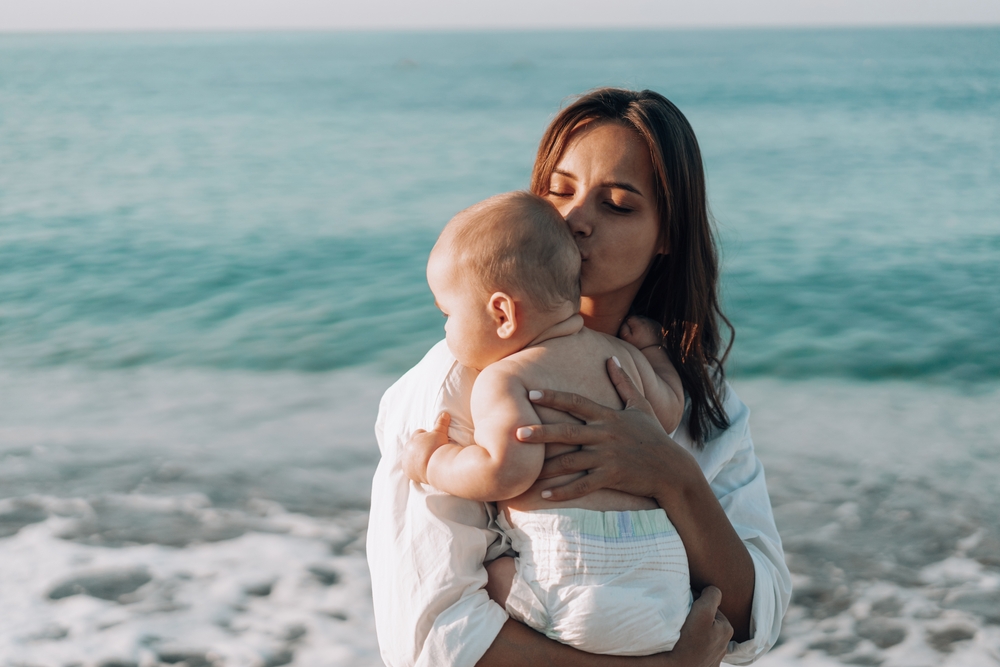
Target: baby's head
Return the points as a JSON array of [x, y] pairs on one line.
[[503, 271]]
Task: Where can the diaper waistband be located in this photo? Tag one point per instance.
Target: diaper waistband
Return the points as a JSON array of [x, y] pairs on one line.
[[611, 526]]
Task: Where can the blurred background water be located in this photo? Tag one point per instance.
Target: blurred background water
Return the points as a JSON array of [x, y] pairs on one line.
[[212, 250]]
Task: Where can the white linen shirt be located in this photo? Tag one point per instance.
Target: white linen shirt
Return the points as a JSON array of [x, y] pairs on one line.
[[426, 548]]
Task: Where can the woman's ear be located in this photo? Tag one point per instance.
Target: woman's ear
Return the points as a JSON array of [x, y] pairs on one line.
[[504, 314]]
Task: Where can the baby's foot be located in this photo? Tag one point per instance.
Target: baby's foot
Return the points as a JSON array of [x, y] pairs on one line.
[[641, 332]]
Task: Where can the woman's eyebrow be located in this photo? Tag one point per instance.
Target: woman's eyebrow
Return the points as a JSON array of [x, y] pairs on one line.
[[620, 185]]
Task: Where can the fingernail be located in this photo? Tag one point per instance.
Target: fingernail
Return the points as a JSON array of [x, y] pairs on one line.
[[534, 394], [524, 432], [617, 363], [546, 494]]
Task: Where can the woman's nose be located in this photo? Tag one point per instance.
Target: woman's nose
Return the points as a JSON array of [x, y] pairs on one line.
[[578, 220]]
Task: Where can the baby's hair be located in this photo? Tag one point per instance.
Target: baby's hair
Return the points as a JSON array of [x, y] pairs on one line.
[[517, 243]]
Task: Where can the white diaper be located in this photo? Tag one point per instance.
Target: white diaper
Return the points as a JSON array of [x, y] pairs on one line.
[[605, 582]]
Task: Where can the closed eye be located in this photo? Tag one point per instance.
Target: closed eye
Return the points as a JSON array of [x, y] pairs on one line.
[[618, 209]]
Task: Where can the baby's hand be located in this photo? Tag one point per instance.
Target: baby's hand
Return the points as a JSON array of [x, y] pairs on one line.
[[641, 332], [417, 451]]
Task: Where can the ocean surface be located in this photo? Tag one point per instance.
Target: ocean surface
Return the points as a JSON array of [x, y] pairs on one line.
[[212, 253]]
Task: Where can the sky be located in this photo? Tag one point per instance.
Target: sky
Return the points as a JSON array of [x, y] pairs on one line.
[[128, 15]]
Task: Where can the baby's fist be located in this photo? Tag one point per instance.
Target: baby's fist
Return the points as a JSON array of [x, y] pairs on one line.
[[641, 332], [422, 444]]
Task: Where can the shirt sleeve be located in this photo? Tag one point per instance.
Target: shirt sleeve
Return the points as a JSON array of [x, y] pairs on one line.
[[738, 483], [425, 552]]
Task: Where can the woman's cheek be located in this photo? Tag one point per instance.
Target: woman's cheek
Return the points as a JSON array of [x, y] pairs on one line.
[[586, 283]]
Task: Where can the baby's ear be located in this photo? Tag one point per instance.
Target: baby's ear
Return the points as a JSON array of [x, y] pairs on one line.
[[504, 313]]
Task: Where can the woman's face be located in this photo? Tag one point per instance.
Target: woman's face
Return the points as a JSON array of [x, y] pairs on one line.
[[603, 186]]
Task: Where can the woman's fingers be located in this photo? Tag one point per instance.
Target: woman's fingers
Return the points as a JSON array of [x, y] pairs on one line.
[[582, 408], [569, 434], [707, 608], [706, 632], [569, 463], [708, 602], [575, 489], [722, 623], [627, 390]]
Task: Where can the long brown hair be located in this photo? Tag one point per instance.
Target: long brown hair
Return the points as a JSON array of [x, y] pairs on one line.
[[681, 288]]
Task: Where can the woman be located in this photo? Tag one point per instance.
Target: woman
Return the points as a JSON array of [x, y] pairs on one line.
[[625, 171]]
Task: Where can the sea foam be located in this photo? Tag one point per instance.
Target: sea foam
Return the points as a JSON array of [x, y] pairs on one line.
[[219, 518]]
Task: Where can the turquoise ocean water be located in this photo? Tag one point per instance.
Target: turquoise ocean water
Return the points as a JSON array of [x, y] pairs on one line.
[[212, 253], [266, 202]]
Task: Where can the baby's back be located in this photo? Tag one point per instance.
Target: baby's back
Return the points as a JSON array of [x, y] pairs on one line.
[[575, 363]]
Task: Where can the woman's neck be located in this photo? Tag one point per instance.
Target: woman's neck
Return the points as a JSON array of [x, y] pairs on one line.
[[604, 315]]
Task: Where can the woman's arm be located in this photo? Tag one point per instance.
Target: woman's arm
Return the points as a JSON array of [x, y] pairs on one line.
[[629, 451], [426, 551], [703, 642], [466, 621]]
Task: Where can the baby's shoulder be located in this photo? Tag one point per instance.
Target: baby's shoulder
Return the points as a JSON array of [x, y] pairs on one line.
[[616, 346], [631, 359], [522, 368], [506, 370], [498, 381], [612, 341]]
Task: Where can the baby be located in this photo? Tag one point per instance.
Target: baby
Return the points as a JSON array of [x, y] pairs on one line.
[[606, 573]]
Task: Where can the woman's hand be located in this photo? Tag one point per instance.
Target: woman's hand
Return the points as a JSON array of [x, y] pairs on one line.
[[626, 450], [629, 451], [418, 449], [703, 642], [705, 634]]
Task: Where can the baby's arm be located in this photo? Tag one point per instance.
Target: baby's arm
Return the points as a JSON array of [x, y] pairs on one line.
[[661, 383], [498, 466]]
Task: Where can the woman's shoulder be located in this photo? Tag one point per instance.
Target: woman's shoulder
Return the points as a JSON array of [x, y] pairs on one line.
[[435, 365], [437, 382], [438, 376]]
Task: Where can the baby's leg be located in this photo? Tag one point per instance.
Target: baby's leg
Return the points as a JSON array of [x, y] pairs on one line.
[[501, 575]]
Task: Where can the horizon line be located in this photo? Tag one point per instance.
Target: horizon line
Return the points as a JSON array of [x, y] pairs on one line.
[[112, 30]]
